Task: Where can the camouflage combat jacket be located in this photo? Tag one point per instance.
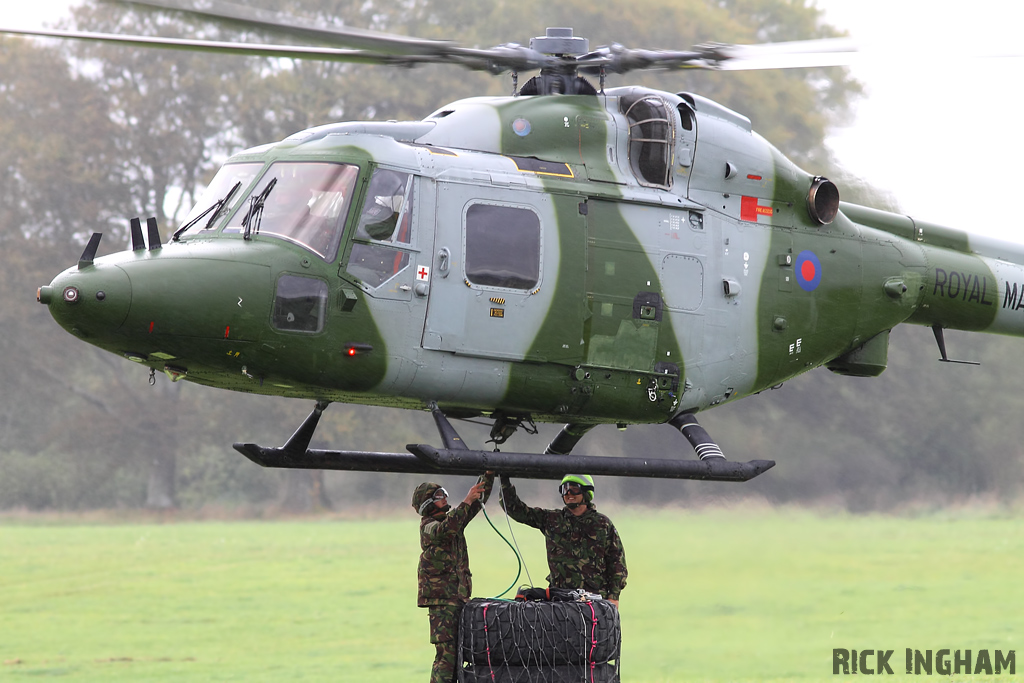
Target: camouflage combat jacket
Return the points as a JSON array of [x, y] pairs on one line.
[[583, 552], [444, 577]]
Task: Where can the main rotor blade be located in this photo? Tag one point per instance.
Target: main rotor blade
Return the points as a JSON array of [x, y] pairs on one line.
[[246, 49], [344, 36], [721, 57], [791, 55], [414, 50], [372, 47]]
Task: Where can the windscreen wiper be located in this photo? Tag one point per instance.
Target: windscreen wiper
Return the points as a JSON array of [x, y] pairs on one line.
[[214, 208], [251, 222]]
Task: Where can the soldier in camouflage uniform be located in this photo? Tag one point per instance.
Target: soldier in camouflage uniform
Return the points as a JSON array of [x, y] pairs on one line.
[[445, 582], [584, 549]]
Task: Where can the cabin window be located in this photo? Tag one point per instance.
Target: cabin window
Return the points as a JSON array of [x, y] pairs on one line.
[[651, 136], [299, 304], [502, 246], [222, 190], [385, 228], [306, 203]]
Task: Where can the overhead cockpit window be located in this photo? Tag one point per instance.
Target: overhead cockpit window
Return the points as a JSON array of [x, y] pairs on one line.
[[502, 246], [385, 228], [651, 136], [224, 193], [303, 202], [300, 304]]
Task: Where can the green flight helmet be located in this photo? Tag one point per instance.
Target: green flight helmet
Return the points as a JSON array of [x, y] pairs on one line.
[[585, 481]]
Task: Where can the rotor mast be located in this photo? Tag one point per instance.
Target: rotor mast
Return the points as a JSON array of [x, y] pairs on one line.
[[560, 76]]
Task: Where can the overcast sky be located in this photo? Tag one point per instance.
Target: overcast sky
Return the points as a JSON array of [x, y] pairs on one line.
[[937, 128]]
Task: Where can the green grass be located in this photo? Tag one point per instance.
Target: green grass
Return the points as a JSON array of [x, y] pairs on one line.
[[715, 595]]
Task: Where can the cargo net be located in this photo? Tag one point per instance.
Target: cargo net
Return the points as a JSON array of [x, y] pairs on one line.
[[531, 642]]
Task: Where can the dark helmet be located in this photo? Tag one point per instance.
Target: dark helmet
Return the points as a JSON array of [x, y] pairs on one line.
[[380, 213], [385, 182], [423, 496]]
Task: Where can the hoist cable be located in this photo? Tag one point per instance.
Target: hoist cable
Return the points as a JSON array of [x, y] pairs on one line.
[[515, 551]]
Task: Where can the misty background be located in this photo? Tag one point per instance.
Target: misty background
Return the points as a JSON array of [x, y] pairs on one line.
[[94, 135]]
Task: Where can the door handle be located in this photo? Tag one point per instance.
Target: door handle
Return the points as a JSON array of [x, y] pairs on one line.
[[443, 261]]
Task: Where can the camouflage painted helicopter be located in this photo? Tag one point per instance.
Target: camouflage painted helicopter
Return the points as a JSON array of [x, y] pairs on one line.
[[567, 254]]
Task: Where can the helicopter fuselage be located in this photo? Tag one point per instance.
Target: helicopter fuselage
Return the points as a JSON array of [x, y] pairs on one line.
[[619, 258]]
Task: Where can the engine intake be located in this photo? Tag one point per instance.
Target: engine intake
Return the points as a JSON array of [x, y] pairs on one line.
[[823, 200]]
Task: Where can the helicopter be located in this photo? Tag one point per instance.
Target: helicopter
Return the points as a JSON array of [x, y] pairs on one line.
[[571, 253]]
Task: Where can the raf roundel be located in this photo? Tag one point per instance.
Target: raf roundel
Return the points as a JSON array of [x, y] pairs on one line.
[[808, 271]]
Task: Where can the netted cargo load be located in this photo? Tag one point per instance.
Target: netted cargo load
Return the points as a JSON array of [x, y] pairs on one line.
[[531, 642]]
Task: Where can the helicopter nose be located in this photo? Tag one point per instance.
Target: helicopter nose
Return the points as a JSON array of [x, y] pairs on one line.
[[89, 301]]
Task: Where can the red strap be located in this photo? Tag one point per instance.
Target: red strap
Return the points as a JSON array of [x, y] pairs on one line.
[[593, 639], [487, 643]]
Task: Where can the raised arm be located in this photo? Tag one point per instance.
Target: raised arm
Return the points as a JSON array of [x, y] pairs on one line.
[[479, 494], [517, 509]]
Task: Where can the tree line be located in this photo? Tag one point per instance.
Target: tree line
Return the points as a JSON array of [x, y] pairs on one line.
[[96, 134]]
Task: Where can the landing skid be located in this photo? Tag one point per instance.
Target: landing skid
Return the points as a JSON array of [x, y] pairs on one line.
[[456, 458]]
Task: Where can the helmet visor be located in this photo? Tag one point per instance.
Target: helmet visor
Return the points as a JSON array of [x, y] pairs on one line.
[[570, 488]]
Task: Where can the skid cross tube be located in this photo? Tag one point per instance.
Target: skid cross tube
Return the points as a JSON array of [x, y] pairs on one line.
[[534, 466], [425, 459], [457, 458]]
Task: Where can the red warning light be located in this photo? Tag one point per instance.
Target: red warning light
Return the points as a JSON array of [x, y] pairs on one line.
[[356, 348]]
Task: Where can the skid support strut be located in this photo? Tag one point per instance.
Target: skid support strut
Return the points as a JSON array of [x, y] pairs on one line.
[[566, 440], [702, 443], [298, 443]]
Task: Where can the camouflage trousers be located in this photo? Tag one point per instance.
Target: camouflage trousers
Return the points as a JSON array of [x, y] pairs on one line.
[[444, 634]]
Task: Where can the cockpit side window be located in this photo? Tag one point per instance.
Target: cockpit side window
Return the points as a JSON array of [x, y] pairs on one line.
[[386, 198], [379, 250], [651, 138], [307, 204]]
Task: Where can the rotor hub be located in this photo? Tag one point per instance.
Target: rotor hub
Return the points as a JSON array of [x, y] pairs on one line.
[[560, 41]]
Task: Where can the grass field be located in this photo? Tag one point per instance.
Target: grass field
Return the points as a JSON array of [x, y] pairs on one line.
[[713, 595]]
